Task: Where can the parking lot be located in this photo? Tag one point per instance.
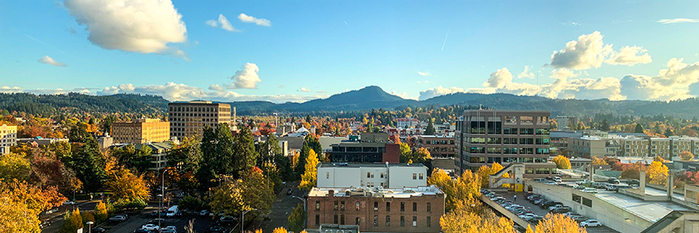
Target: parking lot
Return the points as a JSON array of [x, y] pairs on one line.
[[521, 200]]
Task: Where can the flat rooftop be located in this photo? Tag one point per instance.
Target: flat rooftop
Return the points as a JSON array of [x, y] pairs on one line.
[[649, 210], [377, 192], [340, 164]]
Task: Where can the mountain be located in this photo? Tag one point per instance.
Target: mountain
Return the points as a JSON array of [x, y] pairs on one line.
[[46, 105]]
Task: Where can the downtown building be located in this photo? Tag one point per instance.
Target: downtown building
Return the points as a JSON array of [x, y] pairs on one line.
[[8, 138], [191, 118], [140, 131], [484, 137], [369, 148]]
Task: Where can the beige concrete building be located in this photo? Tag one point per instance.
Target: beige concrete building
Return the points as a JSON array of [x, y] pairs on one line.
[[588, 146], [8, 138], [141, 131], [191, 118], [438, 146], [484, 137]]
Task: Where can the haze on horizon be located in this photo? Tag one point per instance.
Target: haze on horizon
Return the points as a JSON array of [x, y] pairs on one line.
[[280, 51]]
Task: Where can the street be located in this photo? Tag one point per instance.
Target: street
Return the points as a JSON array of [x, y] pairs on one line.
[[281, 209]]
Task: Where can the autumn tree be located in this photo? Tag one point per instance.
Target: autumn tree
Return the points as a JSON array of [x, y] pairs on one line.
[[308, 179], [464, 221], [127, 186], [686, 155], [558, 223], [561, 162], [280, 230], [656, 173], [465, 188], [598, 161], [422, 155], [72, 221], [17, 216], [246, 193], [297, 219], [484, 173], [405, 154], [101, 211], [14, 166]]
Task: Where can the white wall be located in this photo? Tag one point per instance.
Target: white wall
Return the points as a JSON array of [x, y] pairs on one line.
[[394, 176], [400, 177]]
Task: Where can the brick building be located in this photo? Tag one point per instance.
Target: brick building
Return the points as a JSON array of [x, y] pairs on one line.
[[377, 210]]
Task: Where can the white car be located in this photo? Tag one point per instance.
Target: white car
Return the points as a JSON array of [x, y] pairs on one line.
[[203, 212], [69, 202], [591, 223], [150, 227]]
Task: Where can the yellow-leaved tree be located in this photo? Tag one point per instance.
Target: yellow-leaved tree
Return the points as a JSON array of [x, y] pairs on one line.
[[469, 222], [598, 161], [561, 162], [558, 223], [308, 179], [101, 211], [657, 173], [461, 192], [127, 186], [686, 155]]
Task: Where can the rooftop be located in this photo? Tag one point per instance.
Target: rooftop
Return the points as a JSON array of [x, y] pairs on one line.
[[370, 165], [649, 210], [376, 192]]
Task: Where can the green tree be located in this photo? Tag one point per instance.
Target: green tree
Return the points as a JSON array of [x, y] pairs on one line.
[[247, 193], [297, 218], [668, 132], [191, 203], [639, 128], [605, 125], [245, 154], [283, 164], [187, 156], [106, 124], [270, 147], [311, 142], [405, 153], [308, 119], [218, 156], [72, 221], [308, 179], [430, 128], [272, 174], [89, 164], [14, 166]]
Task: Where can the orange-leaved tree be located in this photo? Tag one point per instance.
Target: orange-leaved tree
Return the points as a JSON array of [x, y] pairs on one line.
[[558, 223]]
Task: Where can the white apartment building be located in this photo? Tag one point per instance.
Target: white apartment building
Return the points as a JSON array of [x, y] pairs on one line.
[[8, 138], [391, 176]]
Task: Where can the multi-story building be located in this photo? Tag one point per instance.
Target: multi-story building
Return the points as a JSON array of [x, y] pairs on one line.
[[159, 151], [587, 146], [191, 118], [39, 141], [377, 210], [371, 148], [438, 146], [559, 141], [634, 147], [141, 131], [8, 138], [679, 144], [404, 123], [390, 175], [484, 137]]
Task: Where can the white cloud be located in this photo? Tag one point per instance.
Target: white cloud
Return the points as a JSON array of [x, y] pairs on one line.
[[629, 56], [526, 73], [225, 24], [671, 84], [588, 51], [246, 78], [131, 25], [424, 73], [6, 89], [499, 79], [50, 61], [562, 73], [259, 21], [304, 89], [212, 23], [216, 87], [678, 20], [438, 91]]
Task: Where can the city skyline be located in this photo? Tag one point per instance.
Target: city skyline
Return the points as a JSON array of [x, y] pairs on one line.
[[296, 52]]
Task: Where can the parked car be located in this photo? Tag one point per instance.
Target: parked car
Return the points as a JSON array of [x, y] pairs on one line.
[[217, 229], [169, 229], [555, 206], [613, 181], [591, 223], [118, 218], [557, 179], [69, 202], [562, 209], [203, 212], [141, 231], [590, 190], [227, 220], [98, 230], [579, 218], [535, 220], [151, 227], [289, 192]]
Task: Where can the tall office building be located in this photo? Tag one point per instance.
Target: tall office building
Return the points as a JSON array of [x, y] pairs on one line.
[[191, 118], [141, 131], [8, 138], [484, 137]]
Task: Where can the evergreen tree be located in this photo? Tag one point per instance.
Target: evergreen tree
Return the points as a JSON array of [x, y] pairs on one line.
[[270, 148], [605, 125], [245, 155], [430, 128], [308, 119], [639, 128], [668, 132], [310, 143], [89, 165]]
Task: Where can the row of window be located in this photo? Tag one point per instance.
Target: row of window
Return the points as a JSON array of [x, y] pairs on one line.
[[341, 220], [508, 150], [341, 206], [439, 142], [198, 109], [510, 141], [504, 160]]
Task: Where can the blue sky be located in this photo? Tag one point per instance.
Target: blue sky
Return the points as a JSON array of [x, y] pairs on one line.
[[297, 51]]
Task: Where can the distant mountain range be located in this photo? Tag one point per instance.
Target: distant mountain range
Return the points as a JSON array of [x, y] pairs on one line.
[[366, 98]]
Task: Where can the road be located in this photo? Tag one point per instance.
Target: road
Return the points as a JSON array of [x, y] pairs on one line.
[[282, 207], [542, 212]]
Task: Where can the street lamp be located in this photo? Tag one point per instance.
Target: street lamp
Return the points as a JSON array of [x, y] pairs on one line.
[[89, 224], [242, 222], [160, 208]]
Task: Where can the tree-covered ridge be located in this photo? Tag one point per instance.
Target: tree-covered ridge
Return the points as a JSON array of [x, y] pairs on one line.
[[48, 105]]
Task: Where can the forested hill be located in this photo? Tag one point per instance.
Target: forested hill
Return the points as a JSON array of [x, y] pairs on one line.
[[47, 105]]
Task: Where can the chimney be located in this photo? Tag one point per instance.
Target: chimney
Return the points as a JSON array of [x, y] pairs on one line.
[[642, 185], [331, 193]]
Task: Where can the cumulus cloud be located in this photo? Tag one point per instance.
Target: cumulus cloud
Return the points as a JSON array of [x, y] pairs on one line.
[[259, 21], [499, 79], [424, 73], [246, 78], [7, 89], [216, 87], [433, 92], [131, 25], [629, 56], [678, 20], [526, 73], [50, 61], [562, 73], [587, 52], [670, 84], [304, 89]]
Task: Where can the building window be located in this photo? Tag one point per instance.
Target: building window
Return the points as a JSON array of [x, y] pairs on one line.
[[421, 176], [382, 175], [414, 221], [335, 219], [376, 220], [388, 220], [402, 221], [356, 220], [388, 206], [342, 205], [429, 221], [402, 207], [414, 206], [376, 205], [429, 207], [317, 205], [335, 206], [317, 219], [342, 219], [327, 175], [357, 205], [414, 176]]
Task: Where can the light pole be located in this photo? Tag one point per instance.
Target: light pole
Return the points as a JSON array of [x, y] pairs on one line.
[[160, 208], [242, 222], [89, 224]]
